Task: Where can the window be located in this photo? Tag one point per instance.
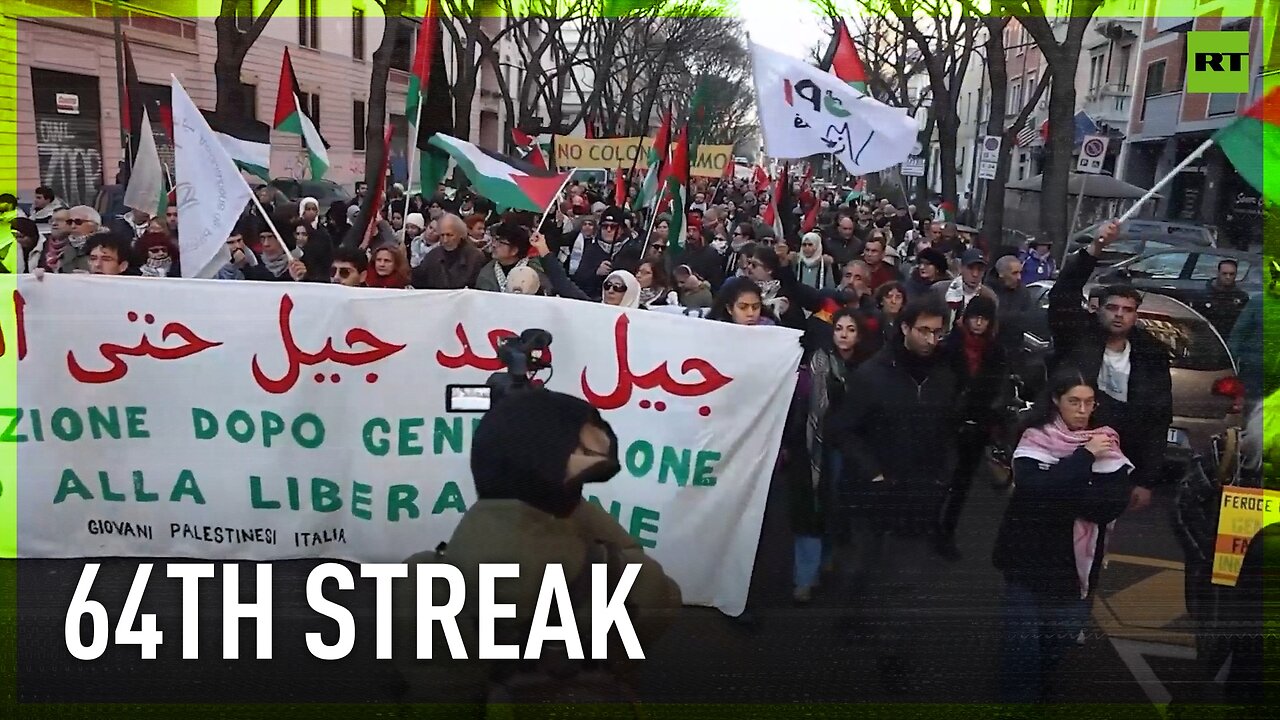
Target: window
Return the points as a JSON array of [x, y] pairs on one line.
[[311, 106], [1206, 267], [1022, 164], [309, 24], [1155, 78], [1015, 96], [1096, 69], [1161, 266], [249, 97], [1123, 57], [357, 124], [1223, 104], [1192, 342], [402, 51], [357, 33], [243, 13], [1029, 88]]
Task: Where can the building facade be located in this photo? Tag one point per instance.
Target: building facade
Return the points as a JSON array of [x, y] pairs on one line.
[[1167, 123], [68, 133]]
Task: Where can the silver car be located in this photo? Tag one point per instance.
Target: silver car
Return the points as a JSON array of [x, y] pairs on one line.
[[1208, 395]]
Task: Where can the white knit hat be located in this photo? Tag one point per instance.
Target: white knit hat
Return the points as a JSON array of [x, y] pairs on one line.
[[416, 220]]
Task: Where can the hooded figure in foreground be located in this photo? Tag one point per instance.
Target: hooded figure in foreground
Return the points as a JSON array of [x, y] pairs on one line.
[[532, 454]]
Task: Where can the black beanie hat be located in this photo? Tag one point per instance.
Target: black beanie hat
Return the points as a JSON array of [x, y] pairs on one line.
[[981, 306]]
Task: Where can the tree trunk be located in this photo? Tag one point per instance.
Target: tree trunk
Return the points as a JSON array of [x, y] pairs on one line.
[[998, 75], [465, 85], [226, 68], [1054, 204]]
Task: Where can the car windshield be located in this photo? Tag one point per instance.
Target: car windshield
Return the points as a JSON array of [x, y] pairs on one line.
[[1192, 343]]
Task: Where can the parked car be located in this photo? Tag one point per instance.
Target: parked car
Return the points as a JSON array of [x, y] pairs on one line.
[[1142, 236], [1184, 272], [1208, 395], [325, 192]]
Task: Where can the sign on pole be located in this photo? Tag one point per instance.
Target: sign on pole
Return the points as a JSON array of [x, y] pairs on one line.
[[913, 166], [988, 157], [1093, 151]]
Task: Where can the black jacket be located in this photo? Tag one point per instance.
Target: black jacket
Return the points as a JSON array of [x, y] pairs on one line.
[[1035, 545], [982, 394], [905, 430], [1078, 338], [705, 261]]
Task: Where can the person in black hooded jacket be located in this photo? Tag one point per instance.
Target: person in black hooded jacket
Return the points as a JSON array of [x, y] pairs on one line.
[[531, 456]]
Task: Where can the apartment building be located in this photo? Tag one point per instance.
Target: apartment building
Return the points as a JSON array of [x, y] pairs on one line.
[[68, 133], [1166, 123]]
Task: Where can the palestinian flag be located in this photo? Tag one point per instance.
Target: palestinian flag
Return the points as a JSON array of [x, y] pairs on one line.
[[248, 142], [131, 104], [657, 153], [436, 116], [146, 189], [529, 148], [424, 52], [773, 213], [808, 201], [620, 186], [1252, 143], [843, 61], [292, 118], [677, 186], [508, 182]]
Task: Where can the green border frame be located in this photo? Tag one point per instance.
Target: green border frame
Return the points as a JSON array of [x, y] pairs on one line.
[[341, 8]]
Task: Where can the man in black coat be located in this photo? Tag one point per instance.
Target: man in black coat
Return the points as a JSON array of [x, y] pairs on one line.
[[1132, 366]]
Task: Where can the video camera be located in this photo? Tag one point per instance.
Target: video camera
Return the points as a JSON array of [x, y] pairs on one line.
[[523, 357]]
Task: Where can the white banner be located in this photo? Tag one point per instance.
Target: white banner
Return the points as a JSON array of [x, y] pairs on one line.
[[265, 421], [805, 111]]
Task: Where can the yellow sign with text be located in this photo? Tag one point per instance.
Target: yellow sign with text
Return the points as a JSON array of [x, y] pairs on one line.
[[610, 153], [1245, 511]]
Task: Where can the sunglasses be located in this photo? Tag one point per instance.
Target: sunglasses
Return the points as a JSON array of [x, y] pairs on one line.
[[77, 221], [341, 272], [605, 225], [615, 287], [658, 247]]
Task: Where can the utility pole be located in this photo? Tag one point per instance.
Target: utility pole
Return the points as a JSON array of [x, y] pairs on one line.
[[122, 175]]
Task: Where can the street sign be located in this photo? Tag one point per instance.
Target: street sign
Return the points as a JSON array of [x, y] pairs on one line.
[[913, 167], [986, 170], [989, 152], [1093, 151]]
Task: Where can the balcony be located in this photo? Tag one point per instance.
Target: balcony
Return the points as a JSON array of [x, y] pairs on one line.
[[1160, 114], [1109, 103]]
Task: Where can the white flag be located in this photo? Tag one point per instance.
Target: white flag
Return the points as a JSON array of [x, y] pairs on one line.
[[211, 192], [145, 191], [804, 111]]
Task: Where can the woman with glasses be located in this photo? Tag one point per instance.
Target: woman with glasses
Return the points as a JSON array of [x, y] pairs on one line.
[[1071, 481], [620, 288], [654, 283], [510, 251]]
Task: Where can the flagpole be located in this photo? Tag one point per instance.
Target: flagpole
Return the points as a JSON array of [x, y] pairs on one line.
[[265, 216], [412, 150], [1137, 206]]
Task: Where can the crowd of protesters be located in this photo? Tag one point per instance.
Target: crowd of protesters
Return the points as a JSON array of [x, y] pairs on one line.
[[911, 331]]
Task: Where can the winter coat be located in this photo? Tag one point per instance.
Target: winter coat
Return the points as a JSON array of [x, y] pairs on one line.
[[488, 277], [1079, 339], [445, 270], [981, 395], [1035, 544], [903, 430]]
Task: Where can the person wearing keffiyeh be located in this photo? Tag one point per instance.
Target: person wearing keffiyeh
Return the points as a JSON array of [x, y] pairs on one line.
[[1071, 482]]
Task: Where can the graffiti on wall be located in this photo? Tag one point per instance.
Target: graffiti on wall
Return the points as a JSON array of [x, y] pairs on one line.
[[70, 159]]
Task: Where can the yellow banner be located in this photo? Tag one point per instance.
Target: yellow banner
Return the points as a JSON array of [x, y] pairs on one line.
[[1245, 511], [613, 153]]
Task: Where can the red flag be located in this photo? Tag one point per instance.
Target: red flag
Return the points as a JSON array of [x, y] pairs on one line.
[[728, 169], [808, 201], [379, 188], [677, 165], [588, 129], [166, 119], [761, 179], [773, 214], [620, 187], [530, 150]]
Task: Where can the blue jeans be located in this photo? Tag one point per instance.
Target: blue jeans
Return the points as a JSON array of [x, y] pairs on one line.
[[1037, 635], [809, 553]]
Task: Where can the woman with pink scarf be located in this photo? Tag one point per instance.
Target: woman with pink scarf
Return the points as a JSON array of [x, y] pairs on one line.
[[1071, 483]]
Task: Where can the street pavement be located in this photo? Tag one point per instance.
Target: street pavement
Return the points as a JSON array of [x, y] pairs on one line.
[[942, 619]]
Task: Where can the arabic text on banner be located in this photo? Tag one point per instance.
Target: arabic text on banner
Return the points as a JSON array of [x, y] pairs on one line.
[[263, 421], [1244, 512], [611, 153]]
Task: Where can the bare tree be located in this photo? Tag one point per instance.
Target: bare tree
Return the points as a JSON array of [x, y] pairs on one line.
[[237, 30], [946, 43], [1062, 57], [998, 76]]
